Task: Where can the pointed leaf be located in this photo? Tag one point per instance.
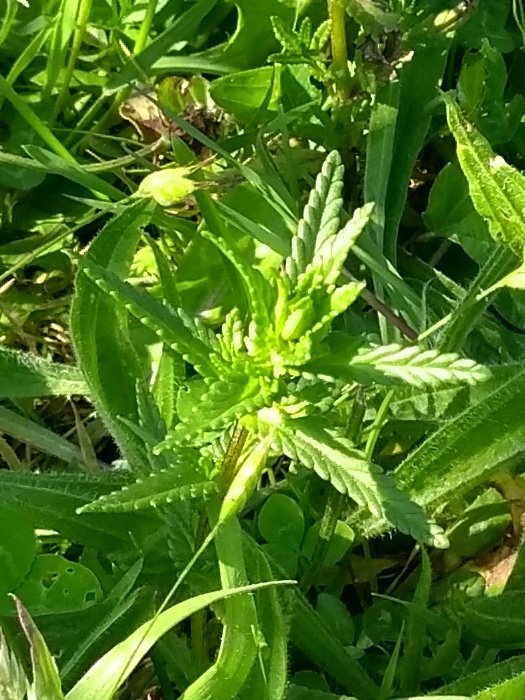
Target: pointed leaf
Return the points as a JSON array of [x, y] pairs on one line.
[[46, 681], [166, 486], [315, 444], [394, 364], [320, 220], [103, 679], [497, 189], [170, 325]]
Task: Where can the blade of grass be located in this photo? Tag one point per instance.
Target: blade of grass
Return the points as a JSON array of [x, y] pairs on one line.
[[25, 111]]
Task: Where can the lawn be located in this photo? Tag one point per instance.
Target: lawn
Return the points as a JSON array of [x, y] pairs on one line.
[[262, 349]]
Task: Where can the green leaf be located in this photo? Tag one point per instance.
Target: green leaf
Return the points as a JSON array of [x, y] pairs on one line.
[[55, 585], [46, 680], [219, 405], [24, 374], [50, 501], [415, 633], [281, 519], [511, 689], [497, 189], [188, 337], [495, 620], [317, 445], [173, 484], [100, 334], [314, 637], [17, 548], [468, 448], [394, 364], [116, 604], [13, 681], [492, 675], [184, 26], [103, 679], [247, 93], [320, 221], [72, 171], [43, 439]]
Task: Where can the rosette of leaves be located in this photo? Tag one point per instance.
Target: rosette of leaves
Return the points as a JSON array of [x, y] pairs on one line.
[[278, 371]]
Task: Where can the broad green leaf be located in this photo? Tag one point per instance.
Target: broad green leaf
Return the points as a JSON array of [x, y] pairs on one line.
[[50, 501], [467, 449], [281, 519], [247, 93], [340, 543], [55, 585], [253, 38], [25, 374], [497, 189], [46, 681], [17, 549], [100, 334]]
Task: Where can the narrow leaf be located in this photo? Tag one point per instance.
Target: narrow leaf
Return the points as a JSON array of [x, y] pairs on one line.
[[103, 679]]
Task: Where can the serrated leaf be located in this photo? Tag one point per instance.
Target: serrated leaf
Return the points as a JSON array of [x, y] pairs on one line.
[[170, 325], [497, 189], [50, 501], [172, 484], [222, 403], [331, 253], [320, 217], [318, 446], [260, 297], [394, 364]]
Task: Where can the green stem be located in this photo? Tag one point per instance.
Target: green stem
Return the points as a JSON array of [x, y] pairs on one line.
[[464, 318], [342, 77], [145, 27], [378, 424], [237, 652], [84, 11], [12, 7]]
